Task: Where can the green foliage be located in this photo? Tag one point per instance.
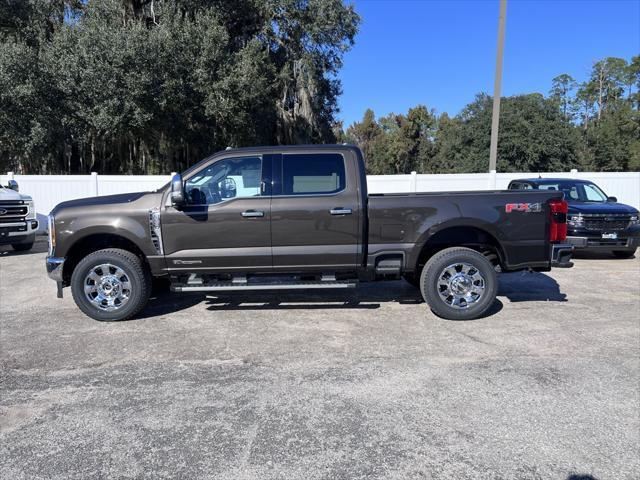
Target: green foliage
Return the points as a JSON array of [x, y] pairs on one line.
[[141, 86], [591, 126]]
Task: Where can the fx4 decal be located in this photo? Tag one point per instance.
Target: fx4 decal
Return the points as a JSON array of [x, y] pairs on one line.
[[523, 207]]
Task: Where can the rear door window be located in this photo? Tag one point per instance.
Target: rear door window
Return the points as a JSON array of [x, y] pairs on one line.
[[313, 174]]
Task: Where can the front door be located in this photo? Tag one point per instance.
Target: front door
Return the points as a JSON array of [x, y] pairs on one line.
[[225, 225], [315, 212]]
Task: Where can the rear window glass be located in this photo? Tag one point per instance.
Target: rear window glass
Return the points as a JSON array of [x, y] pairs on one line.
[[308, 174]]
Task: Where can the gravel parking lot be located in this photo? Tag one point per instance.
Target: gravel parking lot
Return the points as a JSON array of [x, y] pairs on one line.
[[316, 385]]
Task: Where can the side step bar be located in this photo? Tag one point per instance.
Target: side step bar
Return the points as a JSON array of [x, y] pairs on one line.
[[229, 286]]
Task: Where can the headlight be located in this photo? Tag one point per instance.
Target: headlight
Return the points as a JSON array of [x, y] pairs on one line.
[[51, 227], [575, 221], [634, 220], [32, 210]]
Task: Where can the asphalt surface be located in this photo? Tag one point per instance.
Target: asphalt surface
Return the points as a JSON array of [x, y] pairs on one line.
[[371, 385]]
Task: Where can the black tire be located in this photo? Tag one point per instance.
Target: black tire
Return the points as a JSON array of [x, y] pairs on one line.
[[447, 257], [138, 276], [624, 253], [22, 247]]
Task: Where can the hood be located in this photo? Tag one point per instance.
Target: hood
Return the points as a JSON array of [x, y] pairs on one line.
[[8, 194], [104, 200], [600, 207]]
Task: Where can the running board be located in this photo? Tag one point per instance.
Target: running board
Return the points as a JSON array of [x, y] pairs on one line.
[[229, 286]]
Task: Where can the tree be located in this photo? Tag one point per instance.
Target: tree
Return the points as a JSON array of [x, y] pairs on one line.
[[561, 88], [364, 135], [534, 136], [151, 86], [608, 80]]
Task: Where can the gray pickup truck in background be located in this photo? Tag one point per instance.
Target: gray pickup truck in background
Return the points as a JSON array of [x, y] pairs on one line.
[[298, 218]]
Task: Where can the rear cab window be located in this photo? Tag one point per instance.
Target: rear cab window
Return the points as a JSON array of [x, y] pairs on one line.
[[313, 174]]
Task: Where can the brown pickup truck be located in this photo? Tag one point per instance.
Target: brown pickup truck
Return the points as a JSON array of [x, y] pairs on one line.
[[298, 218]]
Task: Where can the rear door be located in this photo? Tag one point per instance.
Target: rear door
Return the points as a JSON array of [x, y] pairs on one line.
[[315, 211], [225, 225]]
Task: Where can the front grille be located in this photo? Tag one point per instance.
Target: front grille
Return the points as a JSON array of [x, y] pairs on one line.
[[12, 211], [606, 223]]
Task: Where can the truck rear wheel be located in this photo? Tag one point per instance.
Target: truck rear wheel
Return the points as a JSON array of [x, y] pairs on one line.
[[110, 285], [459, 283]]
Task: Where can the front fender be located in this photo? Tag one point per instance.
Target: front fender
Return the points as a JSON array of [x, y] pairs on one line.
[[70, 232]]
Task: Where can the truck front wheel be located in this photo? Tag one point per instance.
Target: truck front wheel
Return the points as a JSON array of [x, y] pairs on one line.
[[110, 285], [22, 247], [459, 283]]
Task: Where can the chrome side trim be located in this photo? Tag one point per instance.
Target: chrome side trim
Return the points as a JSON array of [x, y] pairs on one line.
[[156, 230]]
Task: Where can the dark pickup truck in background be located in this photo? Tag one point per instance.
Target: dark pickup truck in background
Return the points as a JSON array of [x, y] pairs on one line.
[[595, 221], [298, 218]]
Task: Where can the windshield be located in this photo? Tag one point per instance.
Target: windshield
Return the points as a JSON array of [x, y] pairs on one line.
[[577, 191]]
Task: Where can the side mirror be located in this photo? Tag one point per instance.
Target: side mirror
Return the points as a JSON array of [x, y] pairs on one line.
[[612, 199], [177, 191], [13, 185]]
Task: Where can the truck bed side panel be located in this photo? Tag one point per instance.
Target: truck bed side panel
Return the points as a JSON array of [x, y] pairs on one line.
[[405, 222]]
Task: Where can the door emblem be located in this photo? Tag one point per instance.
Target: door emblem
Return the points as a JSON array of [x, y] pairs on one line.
[[186, 262]]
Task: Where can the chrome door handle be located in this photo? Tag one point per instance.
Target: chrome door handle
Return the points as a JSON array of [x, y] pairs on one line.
[[340, 211], [252, 213]]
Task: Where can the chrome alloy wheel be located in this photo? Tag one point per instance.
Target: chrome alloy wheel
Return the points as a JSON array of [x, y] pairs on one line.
[[107, 287], [461, 285]]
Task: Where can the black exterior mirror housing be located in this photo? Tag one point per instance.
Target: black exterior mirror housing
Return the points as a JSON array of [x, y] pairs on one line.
[[177, 191], [612, 199], [13, 185]]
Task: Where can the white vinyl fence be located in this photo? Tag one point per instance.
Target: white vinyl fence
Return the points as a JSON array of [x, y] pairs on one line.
[[49, 190]]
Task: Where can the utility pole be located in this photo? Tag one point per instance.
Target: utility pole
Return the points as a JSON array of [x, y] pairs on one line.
[[495, 118]]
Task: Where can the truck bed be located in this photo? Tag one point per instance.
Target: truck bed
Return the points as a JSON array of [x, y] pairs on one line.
[[400, 221]]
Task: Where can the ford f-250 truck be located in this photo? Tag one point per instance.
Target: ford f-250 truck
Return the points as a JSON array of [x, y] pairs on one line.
[[18, 223], [298, 218]]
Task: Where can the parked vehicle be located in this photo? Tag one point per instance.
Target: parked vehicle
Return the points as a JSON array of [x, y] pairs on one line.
[[298, 218], [18, 224], [595, 220]]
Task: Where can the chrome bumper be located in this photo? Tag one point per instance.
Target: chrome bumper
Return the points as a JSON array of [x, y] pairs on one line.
[[561, 255], [54, 268]]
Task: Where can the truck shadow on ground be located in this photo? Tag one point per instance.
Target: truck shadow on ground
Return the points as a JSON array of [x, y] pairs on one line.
[[40, 246], [529, 287], [516, 287]]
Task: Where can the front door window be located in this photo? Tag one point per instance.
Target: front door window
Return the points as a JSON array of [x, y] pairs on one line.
[[224, 180]]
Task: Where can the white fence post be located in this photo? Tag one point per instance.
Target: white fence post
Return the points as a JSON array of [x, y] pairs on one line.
[[492, 180], [94, 183], [10, 175], [414, 182], [573, 173]]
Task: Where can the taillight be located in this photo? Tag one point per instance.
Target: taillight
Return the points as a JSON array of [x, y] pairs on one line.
[[558, 215]]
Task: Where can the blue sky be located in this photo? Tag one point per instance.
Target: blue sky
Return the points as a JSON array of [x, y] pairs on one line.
[[441, 53]]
